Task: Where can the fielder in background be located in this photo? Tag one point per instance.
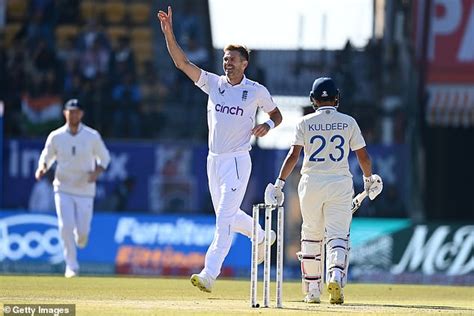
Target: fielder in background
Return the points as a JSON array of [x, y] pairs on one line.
[[231, 109], [81, 157], [325, 189]]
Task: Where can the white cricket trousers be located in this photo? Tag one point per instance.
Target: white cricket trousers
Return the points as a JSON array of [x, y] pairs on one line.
[[74, 222], [228, 176], [325, 202]]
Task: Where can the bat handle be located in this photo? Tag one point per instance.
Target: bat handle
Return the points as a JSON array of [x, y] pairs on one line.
[[357, 201]]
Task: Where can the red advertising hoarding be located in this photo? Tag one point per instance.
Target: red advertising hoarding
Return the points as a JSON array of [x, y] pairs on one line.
[[449, 59], [450, 51]]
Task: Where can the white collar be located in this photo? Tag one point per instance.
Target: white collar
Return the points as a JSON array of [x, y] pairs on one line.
[[326, 107], [244, 78], [79, 128]]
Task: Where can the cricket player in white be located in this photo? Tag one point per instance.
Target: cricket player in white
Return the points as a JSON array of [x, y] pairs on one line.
[[325, 189], [81, 157], [231, 109]]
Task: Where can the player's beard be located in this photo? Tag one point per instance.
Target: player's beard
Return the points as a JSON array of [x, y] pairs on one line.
[[233, 74]]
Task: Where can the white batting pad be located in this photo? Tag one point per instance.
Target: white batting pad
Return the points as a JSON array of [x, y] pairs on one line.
[[338, 258], [311, 265]]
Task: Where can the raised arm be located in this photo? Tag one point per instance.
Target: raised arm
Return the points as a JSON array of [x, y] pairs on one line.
[[179, 58]]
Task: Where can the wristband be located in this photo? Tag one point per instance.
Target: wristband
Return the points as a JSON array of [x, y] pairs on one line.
[[279, 183], [368, 179], [270, 123]]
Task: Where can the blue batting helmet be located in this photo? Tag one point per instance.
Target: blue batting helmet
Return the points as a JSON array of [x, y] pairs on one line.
[[324, 89]]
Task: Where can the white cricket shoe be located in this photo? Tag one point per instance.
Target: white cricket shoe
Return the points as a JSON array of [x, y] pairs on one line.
[[314, 293], [261, 247], [71, 273], [312, 297], [203, 282], [336, 295]]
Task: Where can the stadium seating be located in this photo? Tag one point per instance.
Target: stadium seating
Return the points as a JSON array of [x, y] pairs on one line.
[[10, 32], [63, 32], [90, 9], [142, 43], [115, 32], [141, 34], [16, 10], [115, 12], [139, 13], [143, 52]]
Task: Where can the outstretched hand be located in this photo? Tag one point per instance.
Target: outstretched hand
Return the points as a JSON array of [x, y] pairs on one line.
[[166, 20]]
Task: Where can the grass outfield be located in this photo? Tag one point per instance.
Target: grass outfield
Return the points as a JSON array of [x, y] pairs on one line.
[[176, 296]]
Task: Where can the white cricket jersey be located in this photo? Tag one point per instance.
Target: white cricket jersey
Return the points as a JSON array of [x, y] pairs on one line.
[[76, 156], [327, 136], [231, 111]]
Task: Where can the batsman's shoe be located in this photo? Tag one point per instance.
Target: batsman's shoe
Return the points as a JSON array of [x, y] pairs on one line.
[[71, 273], [203, 282], [336, 295], [313, 292], [312, 297], [261, 247]]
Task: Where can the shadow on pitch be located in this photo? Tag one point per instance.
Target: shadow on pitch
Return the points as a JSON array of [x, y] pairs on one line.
[[421, 307], [431, 307], [306, 307]]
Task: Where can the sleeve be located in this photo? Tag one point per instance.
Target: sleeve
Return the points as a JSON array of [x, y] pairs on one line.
[[48, 154], [207, 81], [357, 140], [298, 138], [101, 153], [265, 100]]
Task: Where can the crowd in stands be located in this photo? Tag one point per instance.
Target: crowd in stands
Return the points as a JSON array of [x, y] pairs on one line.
[[41, 69]]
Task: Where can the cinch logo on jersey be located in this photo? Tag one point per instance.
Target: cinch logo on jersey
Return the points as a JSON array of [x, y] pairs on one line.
[[327, 127], [233, 110], [30, 237]]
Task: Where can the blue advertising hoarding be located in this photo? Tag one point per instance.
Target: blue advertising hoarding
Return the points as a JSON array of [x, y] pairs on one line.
[[165, 177], [130, 244]]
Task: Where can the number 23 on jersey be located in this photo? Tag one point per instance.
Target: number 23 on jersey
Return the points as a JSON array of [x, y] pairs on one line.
[[334, 145]]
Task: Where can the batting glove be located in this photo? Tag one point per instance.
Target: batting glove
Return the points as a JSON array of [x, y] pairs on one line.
[[373, 185], [274, 194], [279, 195], [270, 198]]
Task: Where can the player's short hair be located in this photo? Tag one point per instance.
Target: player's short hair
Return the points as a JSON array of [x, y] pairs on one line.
[[243, 51]]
